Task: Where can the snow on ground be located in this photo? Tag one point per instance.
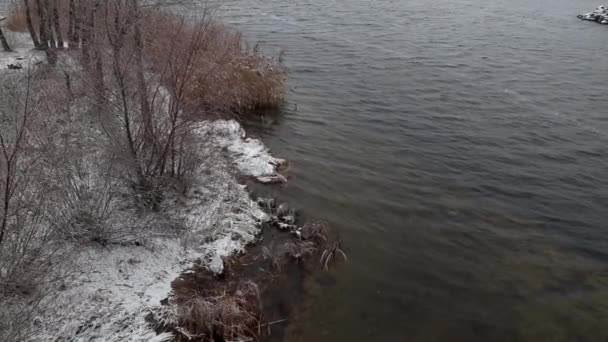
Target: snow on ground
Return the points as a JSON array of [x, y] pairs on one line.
[[23, 54], [252, 158], [117, 286], [114, 291]]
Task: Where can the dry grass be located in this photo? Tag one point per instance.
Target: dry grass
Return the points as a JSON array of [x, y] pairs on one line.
[[331, 252], [222, 316], [212, 309], [316, 232], [274, 256], [226, 78], [259, 80], [299, 250], [16, 20]]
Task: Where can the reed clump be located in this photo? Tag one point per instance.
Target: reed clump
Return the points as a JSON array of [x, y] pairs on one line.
[[227, 78], [211, 308]]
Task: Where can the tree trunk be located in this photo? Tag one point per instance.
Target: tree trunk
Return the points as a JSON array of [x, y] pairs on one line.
[[78, 6], [51, 55], [141, 81], [97, 50], [57, 25], [44, 38], [50, 21], [5, 45], [30, 26], [88, 17], [71, 23]]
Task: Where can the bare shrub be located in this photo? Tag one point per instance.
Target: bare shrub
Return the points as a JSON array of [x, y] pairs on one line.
[[87, 201], [30, 258]]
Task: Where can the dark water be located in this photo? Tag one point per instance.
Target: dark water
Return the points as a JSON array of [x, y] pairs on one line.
[[460, 147]]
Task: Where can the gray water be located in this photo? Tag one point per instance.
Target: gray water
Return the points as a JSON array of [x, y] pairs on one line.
[[460, 147]]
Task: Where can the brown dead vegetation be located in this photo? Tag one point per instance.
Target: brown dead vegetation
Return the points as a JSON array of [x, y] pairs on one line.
[[215, 308], [255, 291], [226, 78], [16, 20]]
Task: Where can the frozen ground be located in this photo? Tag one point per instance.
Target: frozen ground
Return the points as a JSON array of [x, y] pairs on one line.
[[250, 155]]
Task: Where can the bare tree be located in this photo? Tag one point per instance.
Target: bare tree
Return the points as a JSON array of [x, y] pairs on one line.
[[151, 112], [57, 24], [44, 32], [72, 25], [84, 22], [97, 41], [135, 12], [50, 21], [30, 25]]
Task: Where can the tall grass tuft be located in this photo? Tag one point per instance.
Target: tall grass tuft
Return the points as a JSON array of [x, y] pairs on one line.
[[208, 309], [227, 77]]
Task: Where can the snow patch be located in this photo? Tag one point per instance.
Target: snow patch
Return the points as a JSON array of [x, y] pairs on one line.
[[250, 155], [23, 54]]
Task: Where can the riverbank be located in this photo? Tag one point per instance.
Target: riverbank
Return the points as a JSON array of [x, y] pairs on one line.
[[115, 285], [126, 180]]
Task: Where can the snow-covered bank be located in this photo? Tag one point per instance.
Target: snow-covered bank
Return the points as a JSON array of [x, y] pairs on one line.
[[117, 286], [600, 15], [250, 155]]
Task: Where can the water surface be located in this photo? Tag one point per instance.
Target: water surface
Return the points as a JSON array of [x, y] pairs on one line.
[[460, 149]]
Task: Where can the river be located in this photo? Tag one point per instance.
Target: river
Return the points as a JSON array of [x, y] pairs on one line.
[[460, 148]]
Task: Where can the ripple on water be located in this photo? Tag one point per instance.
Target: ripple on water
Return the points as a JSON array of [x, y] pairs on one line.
[[460, 149]]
